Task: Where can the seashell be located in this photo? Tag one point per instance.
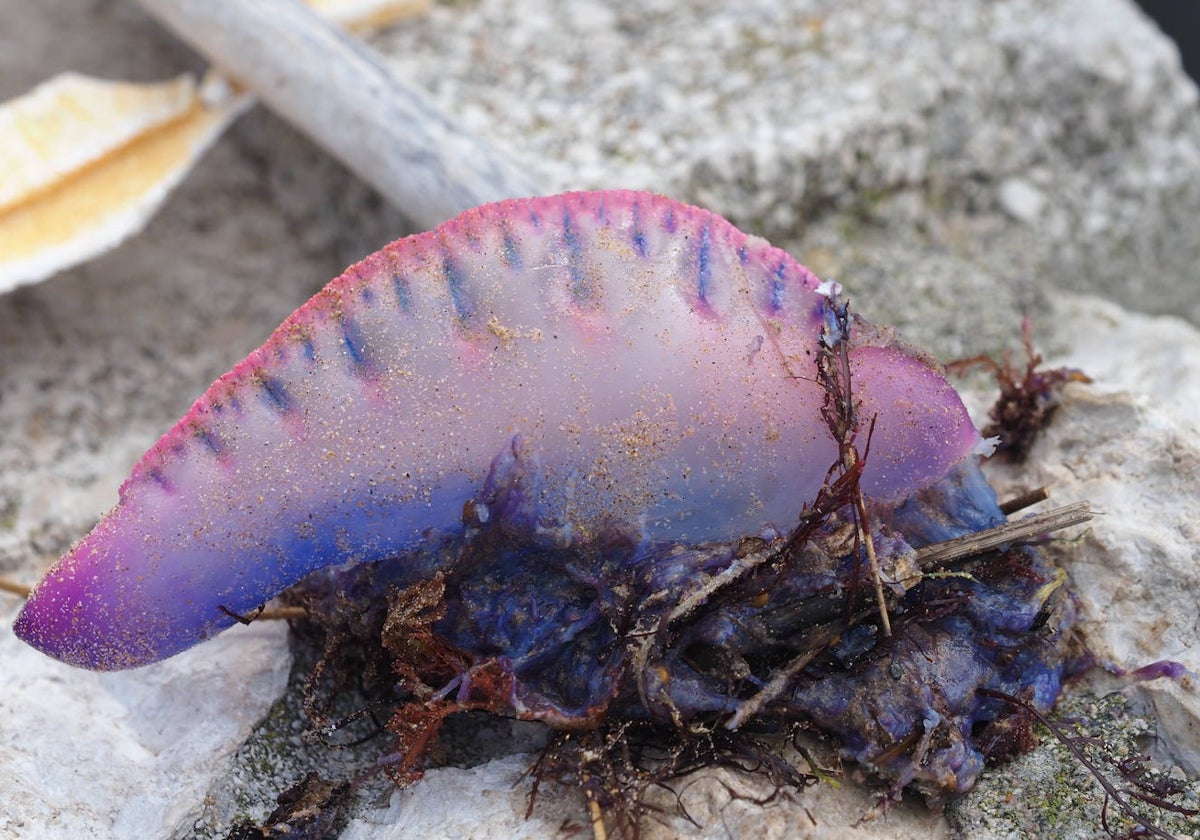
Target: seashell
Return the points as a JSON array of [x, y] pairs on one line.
[[655, 364], [72, 121], [364, 15], [84, 163]]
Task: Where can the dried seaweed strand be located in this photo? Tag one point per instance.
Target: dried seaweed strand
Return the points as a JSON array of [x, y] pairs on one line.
[[783, 677], [864, 533], [1111, 791], [595, 814], [1028, 397], [700, 594], [651, 637], [840, 413]]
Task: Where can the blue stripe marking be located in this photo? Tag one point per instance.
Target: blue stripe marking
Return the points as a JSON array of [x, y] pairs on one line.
[[355, 343], [512, 257], [579, 287], [309, 348], [636, 234], [704, 266], [639, 242], [275, 395], [164, 483], [471, 234], [778, 287], [210, 441], [403, 298], [456, 283]]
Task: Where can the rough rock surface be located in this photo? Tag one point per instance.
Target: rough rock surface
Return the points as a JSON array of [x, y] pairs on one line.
[[429, 810], [955, 164], [1130, 444], [934, 156], [127, 755]]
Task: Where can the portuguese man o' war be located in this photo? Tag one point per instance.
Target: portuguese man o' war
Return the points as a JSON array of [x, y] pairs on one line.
[[588, 400]]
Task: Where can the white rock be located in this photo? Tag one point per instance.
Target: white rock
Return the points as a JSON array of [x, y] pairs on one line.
[[1130, 444], [127, 755], [1153, 356], [490, 801], [482, 802], [1021, 200]]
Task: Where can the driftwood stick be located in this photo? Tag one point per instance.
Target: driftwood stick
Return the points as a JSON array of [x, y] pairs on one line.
[[15, 588], [1025, 500], [339, 92], [1030, 527]]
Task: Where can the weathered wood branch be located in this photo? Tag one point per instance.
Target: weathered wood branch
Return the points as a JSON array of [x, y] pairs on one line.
[[338, 92]]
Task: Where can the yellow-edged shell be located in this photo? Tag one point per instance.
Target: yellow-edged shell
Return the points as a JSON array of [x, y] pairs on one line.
[[85, 162]]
